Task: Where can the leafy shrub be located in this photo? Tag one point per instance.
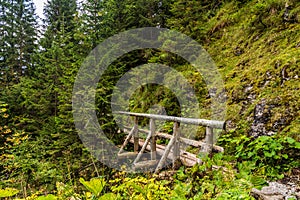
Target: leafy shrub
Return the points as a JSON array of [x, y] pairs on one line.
[[201, 182], [140, 188], [271, 155]]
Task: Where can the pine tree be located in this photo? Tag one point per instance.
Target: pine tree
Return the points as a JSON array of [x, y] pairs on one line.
[[59, 23], [152, 13], [62, 51], [190, 17], [59, 15], [3, 38], [93, 17], [18, 39]]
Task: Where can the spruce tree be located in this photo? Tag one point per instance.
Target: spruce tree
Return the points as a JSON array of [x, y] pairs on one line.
[[18, 39], [58, 24], [93, 18], [62, 51]]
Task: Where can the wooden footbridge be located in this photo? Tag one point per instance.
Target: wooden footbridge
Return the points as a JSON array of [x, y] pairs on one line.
[[172, 151]]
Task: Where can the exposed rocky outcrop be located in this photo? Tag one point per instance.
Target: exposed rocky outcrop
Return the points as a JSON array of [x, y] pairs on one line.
[[277, 191], [262, 115]]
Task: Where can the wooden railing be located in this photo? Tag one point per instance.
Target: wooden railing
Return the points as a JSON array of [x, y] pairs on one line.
[[173, 146]]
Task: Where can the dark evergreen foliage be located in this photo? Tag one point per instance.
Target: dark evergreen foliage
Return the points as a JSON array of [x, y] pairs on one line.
[[18, 40]]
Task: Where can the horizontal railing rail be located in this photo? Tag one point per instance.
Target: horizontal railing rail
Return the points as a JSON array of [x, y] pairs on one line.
[[201, 122]]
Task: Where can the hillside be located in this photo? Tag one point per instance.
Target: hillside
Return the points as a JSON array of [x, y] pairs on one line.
[[257, 50]]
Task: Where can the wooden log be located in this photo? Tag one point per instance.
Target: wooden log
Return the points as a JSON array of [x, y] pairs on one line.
[[210, 138], [208, 147], [193, 143], [188, 159], [198, 144], [143, 148], [145, 164], [127, 154], [202, 122], [153, 139], [136, 136], [176, 146], [165, 155]]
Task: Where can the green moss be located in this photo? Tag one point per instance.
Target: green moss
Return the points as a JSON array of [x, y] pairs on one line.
[[253, 46]]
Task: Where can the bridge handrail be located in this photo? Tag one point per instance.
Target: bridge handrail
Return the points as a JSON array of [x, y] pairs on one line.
[[202, 122]]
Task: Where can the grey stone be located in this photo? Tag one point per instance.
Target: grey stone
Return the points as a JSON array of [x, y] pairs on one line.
[[276, 191]]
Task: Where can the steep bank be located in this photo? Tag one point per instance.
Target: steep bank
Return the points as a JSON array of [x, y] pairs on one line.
[[256, 46]]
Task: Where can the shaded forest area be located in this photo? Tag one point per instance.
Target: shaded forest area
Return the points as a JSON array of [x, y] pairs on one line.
[[255, 45]]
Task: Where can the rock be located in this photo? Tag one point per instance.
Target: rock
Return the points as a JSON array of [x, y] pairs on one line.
[[238, 51], [230, 125], [260, 195], [275, 191], [248, 88], [262, 119]]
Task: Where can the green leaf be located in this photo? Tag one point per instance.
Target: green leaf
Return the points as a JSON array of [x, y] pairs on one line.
[[95, 185], [280, 176], [290, 140], [285, 156], [8, 192], [269, 154], [108, 196], [297, 145], [257, 181]]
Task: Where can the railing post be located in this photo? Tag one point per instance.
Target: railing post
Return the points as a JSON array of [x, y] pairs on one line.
[[210, 133], [176, 147], [210, 139], [136, 136], [153, 139], [207, 148], [210, 142]]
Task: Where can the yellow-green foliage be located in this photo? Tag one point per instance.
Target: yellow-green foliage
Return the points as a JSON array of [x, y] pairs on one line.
[[140, 188], [8, 192]]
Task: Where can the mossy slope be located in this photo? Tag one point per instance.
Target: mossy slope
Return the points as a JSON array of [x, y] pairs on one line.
[[257, 49]]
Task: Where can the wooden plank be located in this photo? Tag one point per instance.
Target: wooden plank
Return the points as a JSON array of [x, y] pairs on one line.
[[193, 143], [143, 148], [153, 139], [136, 136], [165, 155], [176, 146], [188, 159], [202, 122], [127, 154], [145, 164]]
